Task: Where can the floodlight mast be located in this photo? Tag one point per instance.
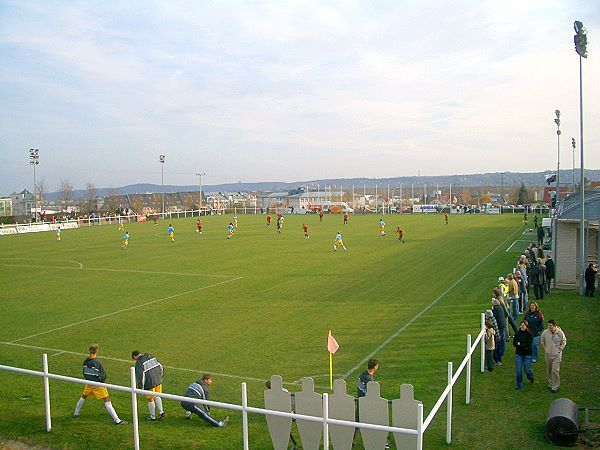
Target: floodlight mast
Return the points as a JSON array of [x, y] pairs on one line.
[[34, 160], [580, 40], [161, 159]]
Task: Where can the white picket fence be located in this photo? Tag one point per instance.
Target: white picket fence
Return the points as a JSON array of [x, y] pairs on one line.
[[419, 431]]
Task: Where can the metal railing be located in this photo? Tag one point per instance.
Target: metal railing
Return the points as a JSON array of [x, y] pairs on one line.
[[419, 431]]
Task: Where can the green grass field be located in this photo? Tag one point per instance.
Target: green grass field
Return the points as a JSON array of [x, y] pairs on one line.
[[261, 304]]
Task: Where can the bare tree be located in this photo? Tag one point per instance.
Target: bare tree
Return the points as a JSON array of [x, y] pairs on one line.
[[65, 190], [40, 191], [90, 196]]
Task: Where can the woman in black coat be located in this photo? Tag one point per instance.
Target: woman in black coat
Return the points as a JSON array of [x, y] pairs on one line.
[[523, 342]]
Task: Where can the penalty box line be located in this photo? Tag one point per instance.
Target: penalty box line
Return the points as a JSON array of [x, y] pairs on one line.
[[170, 297], [149, 272], [424, 310], [128, 361]]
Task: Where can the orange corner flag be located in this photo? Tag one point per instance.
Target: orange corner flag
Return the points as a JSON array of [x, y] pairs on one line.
[[332, 345]]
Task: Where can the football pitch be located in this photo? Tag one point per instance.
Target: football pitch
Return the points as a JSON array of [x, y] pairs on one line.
[[241, 309]]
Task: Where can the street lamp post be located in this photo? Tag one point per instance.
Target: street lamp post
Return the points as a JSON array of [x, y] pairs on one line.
[[34, 160], [557, 196], [580, 40], [557, 122], [573, 174], [161, 159], [200, 175]]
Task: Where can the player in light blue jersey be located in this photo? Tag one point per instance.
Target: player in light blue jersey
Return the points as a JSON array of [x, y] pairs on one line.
[[125, 241], [171, 232], [230, 230], [382, 227], [338, 241]]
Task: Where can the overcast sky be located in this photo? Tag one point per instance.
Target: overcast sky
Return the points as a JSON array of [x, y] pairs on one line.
[[285, 91]]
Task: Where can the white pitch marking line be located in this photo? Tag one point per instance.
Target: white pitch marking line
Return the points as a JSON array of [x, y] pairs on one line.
[[127, 309], [512, 245], [128, 361], [150, 272], [424, 310]]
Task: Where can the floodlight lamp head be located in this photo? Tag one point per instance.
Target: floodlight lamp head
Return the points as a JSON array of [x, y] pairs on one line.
[[573, 142], [579, 28], [161, 158], [557, 122], [557, 112]]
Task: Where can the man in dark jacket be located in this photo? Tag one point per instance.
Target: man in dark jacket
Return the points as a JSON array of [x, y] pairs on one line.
[[500, 316], [148, 375], [590, 280], [199, 390], [93, 370], [538, 279]]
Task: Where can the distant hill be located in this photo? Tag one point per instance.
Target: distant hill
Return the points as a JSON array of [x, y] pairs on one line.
[[495, 179]]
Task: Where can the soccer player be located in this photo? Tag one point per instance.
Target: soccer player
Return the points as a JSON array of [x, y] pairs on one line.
[[400, 232], [121, 225], [338, 241], [382, 227], [235, 222], [345, 218], [58, 233], [230, 230], [149, 374], [446, 218], [199, 390], [278, 225], [305, 228], [94, 371], [268, 220], [155, 218], [125, 241], [320, 215], [171, 232], [199, 226]]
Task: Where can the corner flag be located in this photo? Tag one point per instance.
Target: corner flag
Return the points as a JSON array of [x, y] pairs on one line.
[[332, 347]]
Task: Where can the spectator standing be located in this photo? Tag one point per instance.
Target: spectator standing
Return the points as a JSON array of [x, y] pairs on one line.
[[500, 317], [535, 320], [538, 279], [554, 341], [590, 280], [149, 374], [490, 345], [513, 296], [522, 342]]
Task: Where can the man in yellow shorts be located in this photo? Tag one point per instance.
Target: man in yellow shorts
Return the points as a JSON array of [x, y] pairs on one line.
[[94, 371], [338, 241], [149, 374]]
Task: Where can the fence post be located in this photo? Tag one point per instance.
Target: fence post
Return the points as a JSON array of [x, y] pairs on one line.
[[449, 405], [468, 383], [420, 426], [245, 415], [134, 412], [325, 419], [482, 343], [47, 393]]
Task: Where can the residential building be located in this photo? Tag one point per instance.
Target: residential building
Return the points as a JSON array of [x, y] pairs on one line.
[[22, 203], [6, 208]]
